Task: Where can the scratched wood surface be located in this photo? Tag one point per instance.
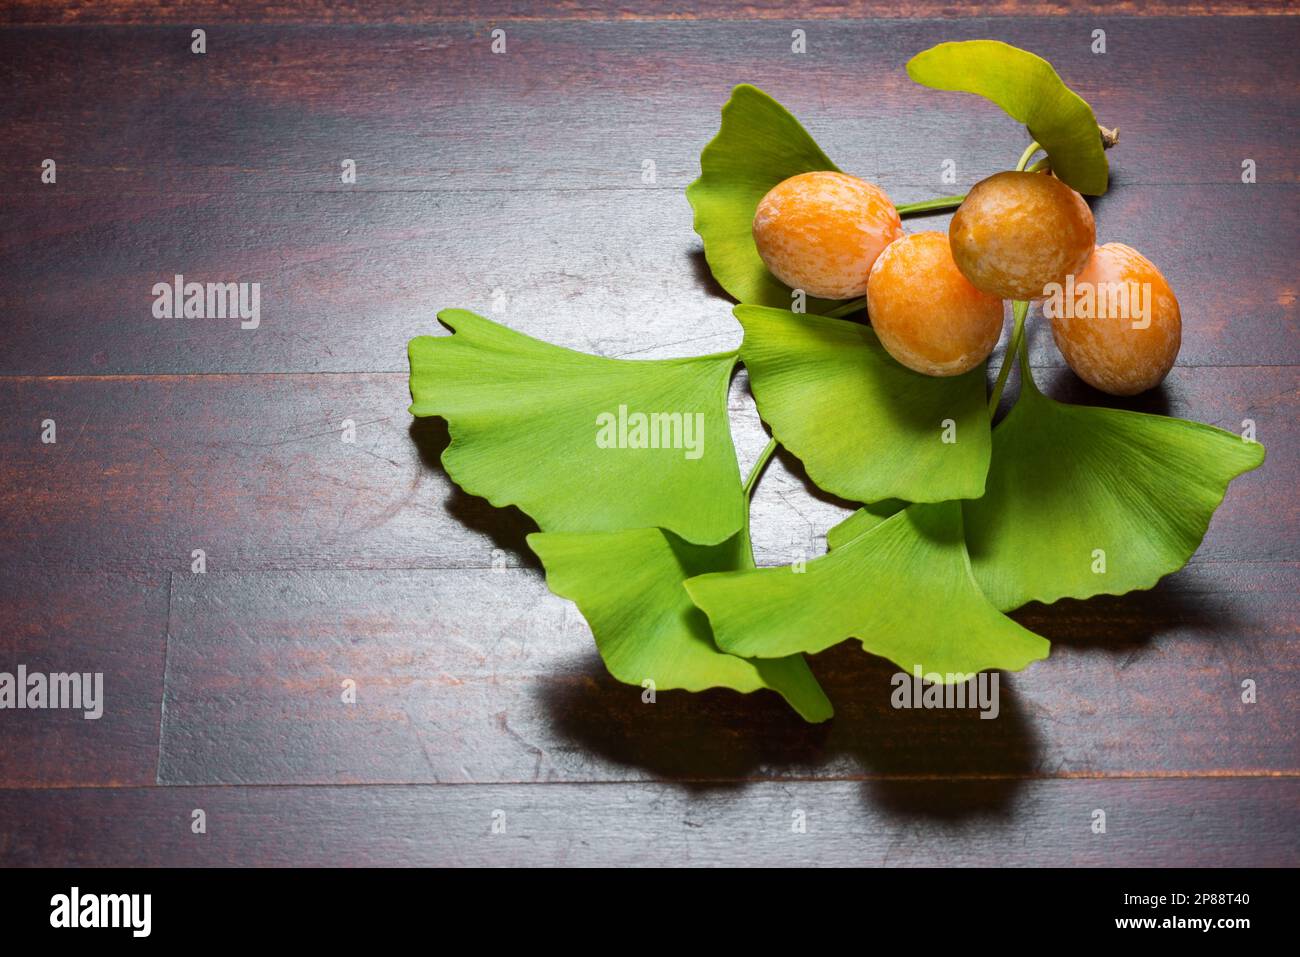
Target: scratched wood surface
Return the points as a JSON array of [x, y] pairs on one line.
[[895, 822], [403, 11], [511, 184]]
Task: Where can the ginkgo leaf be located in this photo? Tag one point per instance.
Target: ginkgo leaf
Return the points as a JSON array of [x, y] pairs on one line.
[[904, 589], [759, 145], [628, 585], [1090, 501], [1030, 90], [865, 427], [578, 442], [863, 520]]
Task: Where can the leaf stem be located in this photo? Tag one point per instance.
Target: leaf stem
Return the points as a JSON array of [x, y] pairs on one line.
[[1019, 309], [931, 205], [764, 457], [747, 544]]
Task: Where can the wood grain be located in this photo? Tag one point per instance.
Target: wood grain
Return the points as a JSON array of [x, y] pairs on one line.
[[511, 184], [347, 281], [477, 676], [254, 470], [582, 105], [509, 187], [87, 622], [1149, 823], [187, 12]]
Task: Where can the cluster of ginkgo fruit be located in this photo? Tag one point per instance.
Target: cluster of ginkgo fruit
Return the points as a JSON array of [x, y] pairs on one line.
[[935, 300]]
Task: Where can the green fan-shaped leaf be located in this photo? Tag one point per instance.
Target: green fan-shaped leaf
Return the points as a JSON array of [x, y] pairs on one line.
[[759, 145], [555, 432], [1030, 90], [865, 427], [628, 585], [1074, 489], [904, 589], [863, 520]]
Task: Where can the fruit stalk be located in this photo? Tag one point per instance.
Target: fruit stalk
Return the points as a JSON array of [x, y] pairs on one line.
[[931, 205], [939, 204], [1030, 150], [1019, 309]]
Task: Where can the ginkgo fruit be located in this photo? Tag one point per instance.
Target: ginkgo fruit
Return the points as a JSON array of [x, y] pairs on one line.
[[926, 314], [1015, 233], [1117, 322], [821, 232]]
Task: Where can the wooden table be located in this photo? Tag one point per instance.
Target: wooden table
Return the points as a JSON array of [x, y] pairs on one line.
[[511, 184]]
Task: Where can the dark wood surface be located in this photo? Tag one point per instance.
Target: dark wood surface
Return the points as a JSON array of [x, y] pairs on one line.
[[478, 691], [188, 12], [882, 822]]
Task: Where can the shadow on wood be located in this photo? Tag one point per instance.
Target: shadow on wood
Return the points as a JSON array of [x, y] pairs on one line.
[[717, 739], [508, 528], [1130, 623]]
